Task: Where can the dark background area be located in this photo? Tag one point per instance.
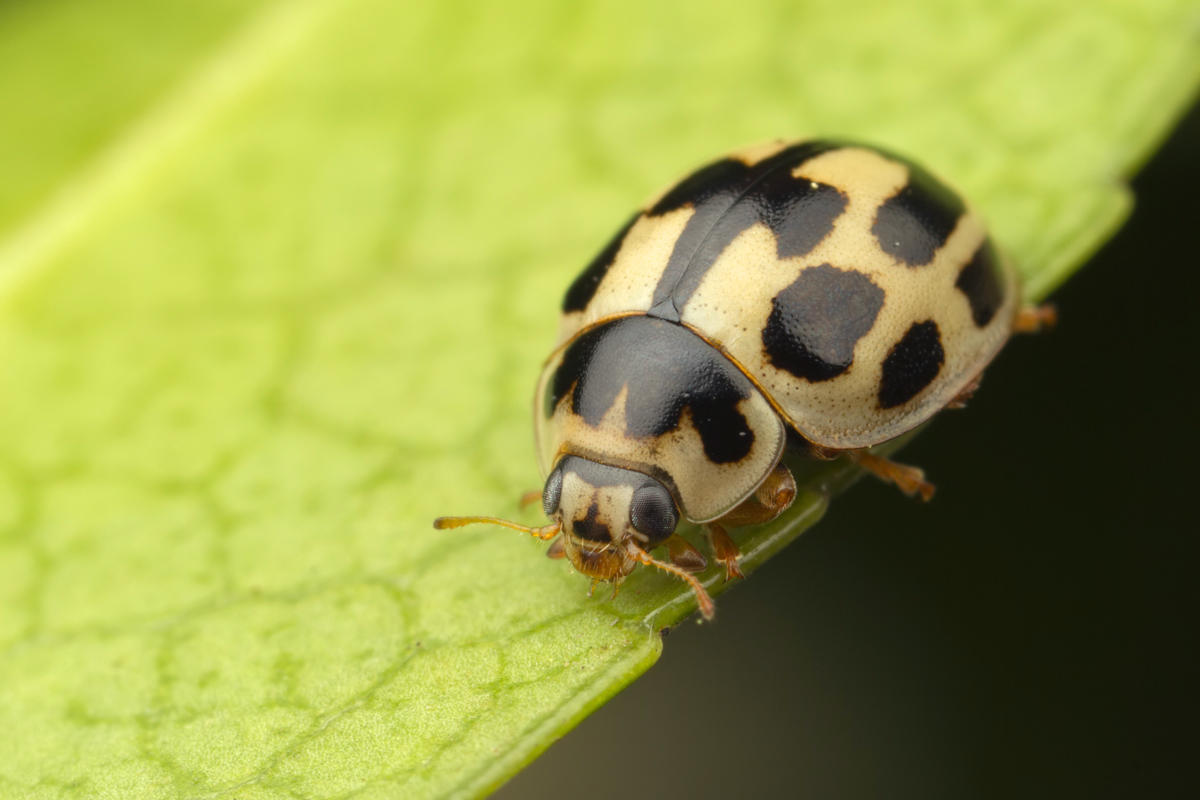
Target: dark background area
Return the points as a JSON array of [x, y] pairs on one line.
[[1027, 634]]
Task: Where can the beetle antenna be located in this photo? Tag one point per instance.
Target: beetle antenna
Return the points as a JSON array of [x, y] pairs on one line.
[[544, 533], [707, 607]]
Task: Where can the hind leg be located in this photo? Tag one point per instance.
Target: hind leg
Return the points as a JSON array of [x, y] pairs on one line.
[[1035, 318], [909, 479]]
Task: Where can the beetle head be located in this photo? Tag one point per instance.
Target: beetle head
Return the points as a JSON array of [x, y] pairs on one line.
[[604, 512], [605, 521]]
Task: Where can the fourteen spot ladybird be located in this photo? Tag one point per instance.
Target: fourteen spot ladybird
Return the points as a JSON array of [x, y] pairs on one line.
[[822, 297]]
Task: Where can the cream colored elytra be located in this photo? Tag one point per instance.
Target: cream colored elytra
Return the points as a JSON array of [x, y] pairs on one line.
[[732, 303]]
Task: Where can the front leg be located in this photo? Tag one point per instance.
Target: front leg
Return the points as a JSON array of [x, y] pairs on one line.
[[683, 555], [725, 550], [773, 496]]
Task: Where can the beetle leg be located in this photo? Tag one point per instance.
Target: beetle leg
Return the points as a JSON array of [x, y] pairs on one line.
[[725, 550], [1035, 318], [702, 599], [529, 498], [772, 497], [683, 555], [910, 480], [962, 398]]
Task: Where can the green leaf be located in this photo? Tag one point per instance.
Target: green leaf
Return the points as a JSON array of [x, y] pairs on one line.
[[73, 73], [253, 341]]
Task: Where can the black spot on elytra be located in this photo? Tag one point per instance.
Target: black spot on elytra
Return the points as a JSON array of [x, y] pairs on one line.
[[667, 369], [590, 527], [983, 284], [584, 288], [728, 197], [712, 180], [912, 364], [913, 224], [818, 319]]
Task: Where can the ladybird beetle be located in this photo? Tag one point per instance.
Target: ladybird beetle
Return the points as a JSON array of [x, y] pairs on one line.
[[820, 296]]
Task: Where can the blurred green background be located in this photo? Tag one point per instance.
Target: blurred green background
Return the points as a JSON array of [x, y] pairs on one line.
[[1030, 633]]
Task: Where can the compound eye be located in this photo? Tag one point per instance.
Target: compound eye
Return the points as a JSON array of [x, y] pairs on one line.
[[652, 512], [552, 494]]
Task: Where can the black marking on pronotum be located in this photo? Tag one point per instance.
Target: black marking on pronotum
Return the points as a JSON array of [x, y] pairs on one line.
[[584, 288], [818, 319], [712, 180], [912, 364], [913, 224], [983, 284], [728, 197], [598, 475], [666, 369], [590, 527]]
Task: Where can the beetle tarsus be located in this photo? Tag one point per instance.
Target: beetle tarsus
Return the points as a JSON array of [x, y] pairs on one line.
[[1035, 319], [909, 479], [725, 550]]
